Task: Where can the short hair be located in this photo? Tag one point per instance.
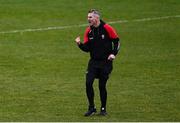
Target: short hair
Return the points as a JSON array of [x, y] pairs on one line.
[[94, 11]]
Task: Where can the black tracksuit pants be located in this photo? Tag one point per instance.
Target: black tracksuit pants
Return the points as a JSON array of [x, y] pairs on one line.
[[100, 70]]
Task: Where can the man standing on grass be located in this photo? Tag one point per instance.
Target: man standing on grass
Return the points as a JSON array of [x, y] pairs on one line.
[[102, 41]]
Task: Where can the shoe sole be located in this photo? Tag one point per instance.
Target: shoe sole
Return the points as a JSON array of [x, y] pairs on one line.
[[90, 114], [100, 114]]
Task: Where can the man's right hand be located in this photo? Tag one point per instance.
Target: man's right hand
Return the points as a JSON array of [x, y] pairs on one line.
[[78, 40]]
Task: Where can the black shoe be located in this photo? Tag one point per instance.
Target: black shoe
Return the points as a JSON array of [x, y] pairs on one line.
[[103, 112], [90, 112]]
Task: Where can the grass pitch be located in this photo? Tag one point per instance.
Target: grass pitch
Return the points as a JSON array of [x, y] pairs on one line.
[[42, 73]]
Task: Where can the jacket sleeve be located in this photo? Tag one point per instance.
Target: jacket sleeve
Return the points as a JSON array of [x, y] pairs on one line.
[[85, 46], [116, 46], [114, 38]]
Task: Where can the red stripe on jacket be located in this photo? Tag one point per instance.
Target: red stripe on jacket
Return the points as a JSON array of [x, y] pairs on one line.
[[112, 33], [86, 35]]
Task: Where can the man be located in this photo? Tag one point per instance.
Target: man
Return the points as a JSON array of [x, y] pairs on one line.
[[102, 41]]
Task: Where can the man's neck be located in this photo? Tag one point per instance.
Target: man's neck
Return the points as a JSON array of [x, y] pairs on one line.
[[98, 23]]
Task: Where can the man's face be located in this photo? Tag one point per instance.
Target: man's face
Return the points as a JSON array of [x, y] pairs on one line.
[[92, 19]]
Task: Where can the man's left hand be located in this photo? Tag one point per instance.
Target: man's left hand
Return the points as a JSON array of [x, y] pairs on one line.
[[111, 57]]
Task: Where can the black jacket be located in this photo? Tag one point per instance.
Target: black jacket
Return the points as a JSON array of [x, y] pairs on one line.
[[100, 42]]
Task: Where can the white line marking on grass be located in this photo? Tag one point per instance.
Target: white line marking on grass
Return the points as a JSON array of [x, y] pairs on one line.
[[84, 25]]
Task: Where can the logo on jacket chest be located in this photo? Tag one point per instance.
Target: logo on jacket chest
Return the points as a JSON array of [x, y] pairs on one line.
[[102, 36], [91, 38]]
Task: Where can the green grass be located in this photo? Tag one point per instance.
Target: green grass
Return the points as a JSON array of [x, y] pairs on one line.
[[42, 73]]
